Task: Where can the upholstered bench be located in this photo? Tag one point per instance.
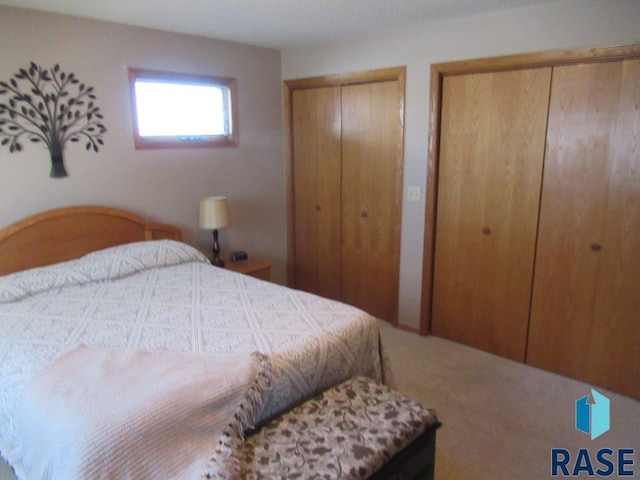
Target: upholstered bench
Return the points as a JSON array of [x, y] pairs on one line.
[[356, 430]]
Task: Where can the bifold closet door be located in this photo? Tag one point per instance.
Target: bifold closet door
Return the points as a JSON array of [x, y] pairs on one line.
[[490, 168], [371, 196], [585, 318], [317, 189]]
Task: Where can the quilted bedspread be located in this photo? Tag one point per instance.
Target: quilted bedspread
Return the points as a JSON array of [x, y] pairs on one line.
[[162, 303]]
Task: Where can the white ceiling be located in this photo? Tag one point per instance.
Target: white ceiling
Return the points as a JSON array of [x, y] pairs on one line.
[[273, 23]]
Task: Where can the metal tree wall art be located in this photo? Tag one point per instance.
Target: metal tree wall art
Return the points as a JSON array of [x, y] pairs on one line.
[[52, 107]]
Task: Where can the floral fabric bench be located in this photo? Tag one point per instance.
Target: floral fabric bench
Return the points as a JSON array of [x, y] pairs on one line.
[[357, 430]]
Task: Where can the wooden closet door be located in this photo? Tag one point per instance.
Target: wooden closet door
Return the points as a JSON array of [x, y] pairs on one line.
[[585, 319], [371, 196], [490, 168], [317, 179]]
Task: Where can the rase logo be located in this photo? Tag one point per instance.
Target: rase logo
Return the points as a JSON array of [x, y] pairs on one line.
[[593, 418]]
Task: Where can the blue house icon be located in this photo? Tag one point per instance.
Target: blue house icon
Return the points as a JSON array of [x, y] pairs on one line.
[[592, 417]]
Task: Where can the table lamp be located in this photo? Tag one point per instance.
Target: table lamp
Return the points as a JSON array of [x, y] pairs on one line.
[[214, 214]]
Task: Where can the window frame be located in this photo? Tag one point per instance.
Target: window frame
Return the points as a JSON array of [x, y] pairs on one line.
[[176, 141]]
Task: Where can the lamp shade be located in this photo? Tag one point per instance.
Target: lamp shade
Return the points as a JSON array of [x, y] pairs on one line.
[[214, 213]]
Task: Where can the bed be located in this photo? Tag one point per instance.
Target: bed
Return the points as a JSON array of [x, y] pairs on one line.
[[125, 354]]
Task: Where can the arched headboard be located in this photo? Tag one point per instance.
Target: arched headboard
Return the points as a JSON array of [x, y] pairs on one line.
[[68, 233]]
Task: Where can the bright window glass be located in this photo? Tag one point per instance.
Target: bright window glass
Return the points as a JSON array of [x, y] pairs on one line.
[[182, 110]]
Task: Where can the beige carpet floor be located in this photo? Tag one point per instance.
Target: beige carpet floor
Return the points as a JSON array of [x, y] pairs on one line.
[[500, 418]]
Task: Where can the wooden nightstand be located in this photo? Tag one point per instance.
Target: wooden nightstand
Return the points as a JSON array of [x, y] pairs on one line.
[[255, 268]]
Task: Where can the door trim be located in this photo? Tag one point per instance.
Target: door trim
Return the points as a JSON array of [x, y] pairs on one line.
[[491, 64]]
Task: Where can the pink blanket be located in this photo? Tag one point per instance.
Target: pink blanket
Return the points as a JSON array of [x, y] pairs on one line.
[[106, 413]]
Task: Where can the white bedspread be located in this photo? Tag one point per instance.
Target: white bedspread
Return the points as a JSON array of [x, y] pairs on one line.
[[154, 297]]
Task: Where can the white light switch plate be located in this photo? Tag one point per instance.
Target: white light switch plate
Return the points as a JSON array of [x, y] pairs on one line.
[[414, 194]]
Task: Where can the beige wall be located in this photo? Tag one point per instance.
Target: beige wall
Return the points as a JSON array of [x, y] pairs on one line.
[[556, 25], [163, 185]]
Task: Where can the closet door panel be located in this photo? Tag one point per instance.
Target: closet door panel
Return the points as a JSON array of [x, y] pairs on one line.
[[490, 169], [371, 196], [616, 348], [585, 320], [317, 180]]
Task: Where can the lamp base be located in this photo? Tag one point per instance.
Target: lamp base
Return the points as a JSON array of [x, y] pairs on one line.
[[216, 260]]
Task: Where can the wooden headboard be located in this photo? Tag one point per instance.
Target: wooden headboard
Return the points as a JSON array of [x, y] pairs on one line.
[[68, 233]]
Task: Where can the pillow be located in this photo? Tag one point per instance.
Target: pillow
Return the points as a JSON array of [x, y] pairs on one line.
[[113, 262]]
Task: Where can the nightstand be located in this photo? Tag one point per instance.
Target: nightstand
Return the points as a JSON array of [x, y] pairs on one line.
[[255, 268]]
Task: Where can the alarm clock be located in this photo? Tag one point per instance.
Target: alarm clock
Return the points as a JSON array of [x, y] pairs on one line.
[[240, 256]]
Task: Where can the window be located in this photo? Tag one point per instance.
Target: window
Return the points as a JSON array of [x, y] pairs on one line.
[[173, 110]]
